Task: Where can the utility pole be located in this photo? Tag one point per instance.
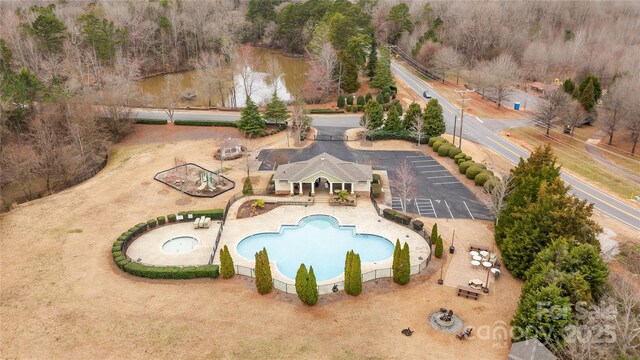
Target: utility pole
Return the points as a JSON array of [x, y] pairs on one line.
[[455, 120], [463, 105]]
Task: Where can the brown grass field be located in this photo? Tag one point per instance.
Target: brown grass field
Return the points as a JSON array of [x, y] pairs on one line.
[[61, 296]]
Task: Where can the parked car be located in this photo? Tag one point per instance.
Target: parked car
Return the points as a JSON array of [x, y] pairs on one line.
[[426, 95]]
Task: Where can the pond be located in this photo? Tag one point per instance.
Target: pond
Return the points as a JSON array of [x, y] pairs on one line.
[[188, 83]]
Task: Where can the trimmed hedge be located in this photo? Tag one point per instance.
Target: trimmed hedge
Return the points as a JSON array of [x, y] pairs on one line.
[[350, 99], [396, 216], [152, 121], [434, 139], [160, 272], [376, 190], [482, 178], [340, 101], [418, 225], [161, 220], [473, 171], [326, 111], [382, 134], [464, 166], [172, 272], [377, 179], [360, 101], [491, 183], [347, 108], [213, 214], [443, 150], [437, 144], [453, 152], [206, 123]]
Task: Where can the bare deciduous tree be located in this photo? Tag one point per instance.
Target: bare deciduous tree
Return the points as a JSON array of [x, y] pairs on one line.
[[244, 68], [83, 129], [550, 108], [497, 195], [417, 128], [404, 183], [501, 74], [446, 60], [573, 114], [299, 119], [169, 101], [19, 163], [627, 322], [616, 103]]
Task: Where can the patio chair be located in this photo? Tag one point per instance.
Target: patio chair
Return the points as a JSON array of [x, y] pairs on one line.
[[196, 223]]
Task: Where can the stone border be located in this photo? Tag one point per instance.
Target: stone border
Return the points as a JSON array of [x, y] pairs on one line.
[[233, 183]]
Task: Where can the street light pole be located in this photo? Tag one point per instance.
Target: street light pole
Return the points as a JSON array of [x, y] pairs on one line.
[[455, 120], [463, 106]]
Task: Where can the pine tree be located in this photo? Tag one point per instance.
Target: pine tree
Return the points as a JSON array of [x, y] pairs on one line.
[[311, 293], [367, 98], [434, 124], [397, 257], [382, 77], [413, 112], [373, 58], [251, 122], [356, 276], [247, 188], [439, 247], [347, 272], [301, 283], [588, 98], [275, 110], [393, 122], [227, 269], [264, 280], [350, 83], [375, 113], [597, 89], [546, 323]]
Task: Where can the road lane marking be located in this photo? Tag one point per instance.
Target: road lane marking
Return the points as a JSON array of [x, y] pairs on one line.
[[477, 118], [447, 183]]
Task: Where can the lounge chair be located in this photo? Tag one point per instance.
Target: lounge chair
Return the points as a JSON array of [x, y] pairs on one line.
[[196, 224], [207, 223]]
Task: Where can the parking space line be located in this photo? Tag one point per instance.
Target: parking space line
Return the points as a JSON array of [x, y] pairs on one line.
[[434, 209], [415, 156], [417, 161], [430, 171], [465, 205], [437, 177], [448, 208], [447, 183], [426, 166], [417, 206]]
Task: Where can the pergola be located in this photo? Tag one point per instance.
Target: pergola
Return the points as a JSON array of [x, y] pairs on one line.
[[337, 173]]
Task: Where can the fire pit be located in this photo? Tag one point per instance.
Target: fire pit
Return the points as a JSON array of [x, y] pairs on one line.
[[445, 321]]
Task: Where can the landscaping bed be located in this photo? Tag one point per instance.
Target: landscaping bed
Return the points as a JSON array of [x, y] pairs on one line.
[[250, 209]]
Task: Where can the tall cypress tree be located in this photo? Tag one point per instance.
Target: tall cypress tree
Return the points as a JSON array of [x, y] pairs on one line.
[[588, 98], [383, 77], [373, 58], [356, 276], [311, 292], [301, 283], [439, 247], [397, 257], [374, 111], [405, 266], [264, 280], [226, 264], [347, 271]]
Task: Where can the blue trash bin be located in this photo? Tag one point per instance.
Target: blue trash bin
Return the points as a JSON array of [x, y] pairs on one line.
[[516, 106]]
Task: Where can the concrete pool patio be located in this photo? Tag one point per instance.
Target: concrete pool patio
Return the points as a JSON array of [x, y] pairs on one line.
[[148, 247], [363, 217]]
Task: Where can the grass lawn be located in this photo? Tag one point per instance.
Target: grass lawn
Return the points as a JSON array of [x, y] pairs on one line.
[[573, 157]]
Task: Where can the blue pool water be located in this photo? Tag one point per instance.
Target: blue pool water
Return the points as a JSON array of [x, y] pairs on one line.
[[317, 240]]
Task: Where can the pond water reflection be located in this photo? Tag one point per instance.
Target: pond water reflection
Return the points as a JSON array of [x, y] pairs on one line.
[[193, 82]]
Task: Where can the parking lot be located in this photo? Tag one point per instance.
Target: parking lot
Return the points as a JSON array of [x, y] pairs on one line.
[[438, 193]]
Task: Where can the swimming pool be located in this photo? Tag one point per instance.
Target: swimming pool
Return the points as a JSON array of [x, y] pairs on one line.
[[317, 240], [180, 245]]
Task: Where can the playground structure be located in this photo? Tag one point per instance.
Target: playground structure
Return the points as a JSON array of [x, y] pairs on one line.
[[194, 180], [207, 181]]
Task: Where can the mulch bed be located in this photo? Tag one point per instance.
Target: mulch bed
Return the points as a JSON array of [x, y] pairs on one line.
[[246, 210]]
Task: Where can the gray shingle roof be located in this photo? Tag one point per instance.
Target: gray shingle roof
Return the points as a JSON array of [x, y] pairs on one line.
[[531, 349], [330, 165]]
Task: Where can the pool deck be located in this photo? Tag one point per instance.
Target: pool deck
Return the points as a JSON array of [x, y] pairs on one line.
[[148, 247], [363, 217]]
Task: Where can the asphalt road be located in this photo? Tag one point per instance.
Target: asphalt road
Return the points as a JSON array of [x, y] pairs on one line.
[[486, 131], [438, 194]]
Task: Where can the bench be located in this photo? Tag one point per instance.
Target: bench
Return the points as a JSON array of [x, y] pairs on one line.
[[468, 292], [478, 248]]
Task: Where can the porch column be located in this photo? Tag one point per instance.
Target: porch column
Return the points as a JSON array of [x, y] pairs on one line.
[[300, 191], [353, 187], [313, 188], [342, 186], [330, 187], [290, 188]]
